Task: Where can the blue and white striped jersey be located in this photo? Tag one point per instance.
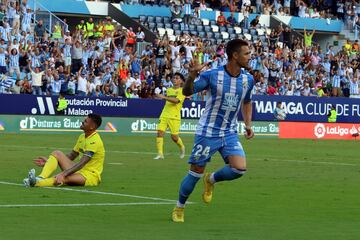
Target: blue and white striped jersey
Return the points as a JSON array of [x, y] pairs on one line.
[[226, 93], [354, 87], [336, 81], [14, 60], [3, 60]]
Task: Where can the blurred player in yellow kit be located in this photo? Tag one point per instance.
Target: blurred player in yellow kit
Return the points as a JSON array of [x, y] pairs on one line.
[[87, 172], [171, 116]]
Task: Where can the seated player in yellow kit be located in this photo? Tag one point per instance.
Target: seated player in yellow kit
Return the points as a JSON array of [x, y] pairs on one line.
[[171, 116], [87, 172]]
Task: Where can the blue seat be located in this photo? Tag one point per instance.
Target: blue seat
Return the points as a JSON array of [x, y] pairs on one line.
[[142, 18], [160, 25], [150, 19], [158, 19], [166, 20], [176, 26], [200, 28]]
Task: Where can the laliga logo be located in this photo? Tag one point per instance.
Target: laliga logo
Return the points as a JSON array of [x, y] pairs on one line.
[[41, 105], [319, 130]]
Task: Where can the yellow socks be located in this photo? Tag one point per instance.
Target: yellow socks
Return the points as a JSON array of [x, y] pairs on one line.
[[180, 143], [49, 167], [159, 145], [47, 182]]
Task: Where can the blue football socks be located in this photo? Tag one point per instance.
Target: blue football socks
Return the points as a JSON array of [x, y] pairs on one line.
[[187, 186], [228, 173]]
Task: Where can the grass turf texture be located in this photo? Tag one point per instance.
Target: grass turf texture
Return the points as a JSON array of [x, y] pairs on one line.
[[294, 189]]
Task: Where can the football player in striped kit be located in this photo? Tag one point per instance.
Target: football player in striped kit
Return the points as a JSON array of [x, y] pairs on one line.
[[229, 89]]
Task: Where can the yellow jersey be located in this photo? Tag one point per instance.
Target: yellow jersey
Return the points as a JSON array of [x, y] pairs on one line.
[[173, 110], [93, 147]]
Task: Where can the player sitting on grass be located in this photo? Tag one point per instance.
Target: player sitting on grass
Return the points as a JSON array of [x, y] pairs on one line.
[[86, 172]]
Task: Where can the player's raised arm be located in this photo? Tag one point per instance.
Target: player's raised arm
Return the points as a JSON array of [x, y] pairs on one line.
[[194, 69]]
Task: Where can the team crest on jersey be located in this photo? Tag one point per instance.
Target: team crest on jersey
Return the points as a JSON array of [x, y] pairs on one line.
[[244, 81], [230, 102]]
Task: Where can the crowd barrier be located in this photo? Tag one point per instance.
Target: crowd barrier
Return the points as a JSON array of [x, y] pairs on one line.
[[298, 109]]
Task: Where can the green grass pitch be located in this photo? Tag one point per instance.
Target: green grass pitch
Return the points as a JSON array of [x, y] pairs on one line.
[[294, 189]]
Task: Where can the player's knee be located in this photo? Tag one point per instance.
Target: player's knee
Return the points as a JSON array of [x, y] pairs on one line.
[[160, 133], [57, 154], [175, 138], [197, 169]]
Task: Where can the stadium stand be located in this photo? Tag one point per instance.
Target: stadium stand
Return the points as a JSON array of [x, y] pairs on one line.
[[106, 59]]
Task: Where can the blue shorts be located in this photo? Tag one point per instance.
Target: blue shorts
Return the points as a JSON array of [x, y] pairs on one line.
[[205, 147]]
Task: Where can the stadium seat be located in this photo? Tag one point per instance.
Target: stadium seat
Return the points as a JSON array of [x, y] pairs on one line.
[[176, 26], [254, 38], [177, 32], [207, 28], [166, 19], [253, 32], [237, 30], [150, 19], [212, 40], [215, 28], [161, 31], [201, 34], [218, 41], [170, 31], [205, 21], [142, 18], [217, 35], [168, 25], [233, 36], [192, 27], [151, 25], [263, 38], [222, 29], [195, 33], [212, 22], [160, 25], [247, 36], [230, 30], [209, 34], [225, 35], [158, 19], [260, 31], [200, 28], [185, 32], [245, 30]]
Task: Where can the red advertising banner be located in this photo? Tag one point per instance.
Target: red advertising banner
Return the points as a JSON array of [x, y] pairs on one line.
[[345, 131]]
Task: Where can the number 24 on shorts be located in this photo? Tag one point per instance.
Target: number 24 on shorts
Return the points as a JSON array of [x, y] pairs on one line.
[[201, 151]]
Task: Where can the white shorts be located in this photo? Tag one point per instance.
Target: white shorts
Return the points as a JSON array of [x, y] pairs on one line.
[[67, 61]]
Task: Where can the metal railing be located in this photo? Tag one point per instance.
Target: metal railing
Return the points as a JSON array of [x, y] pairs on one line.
[[49, 19]]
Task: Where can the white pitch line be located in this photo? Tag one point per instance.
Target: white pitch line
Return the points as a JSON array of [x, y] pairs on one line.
[[96, 192], [83, 204]]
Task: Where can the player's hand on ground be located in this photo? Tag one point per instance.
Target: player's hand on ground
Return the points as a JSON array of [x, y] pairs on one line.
[[40, 161], [59, 179], [249, 133]]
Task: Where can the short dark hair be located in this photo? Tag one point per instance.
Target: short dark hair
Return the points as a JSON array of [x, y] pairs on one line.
[[96, 119], [180, 75], [234, 46]]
